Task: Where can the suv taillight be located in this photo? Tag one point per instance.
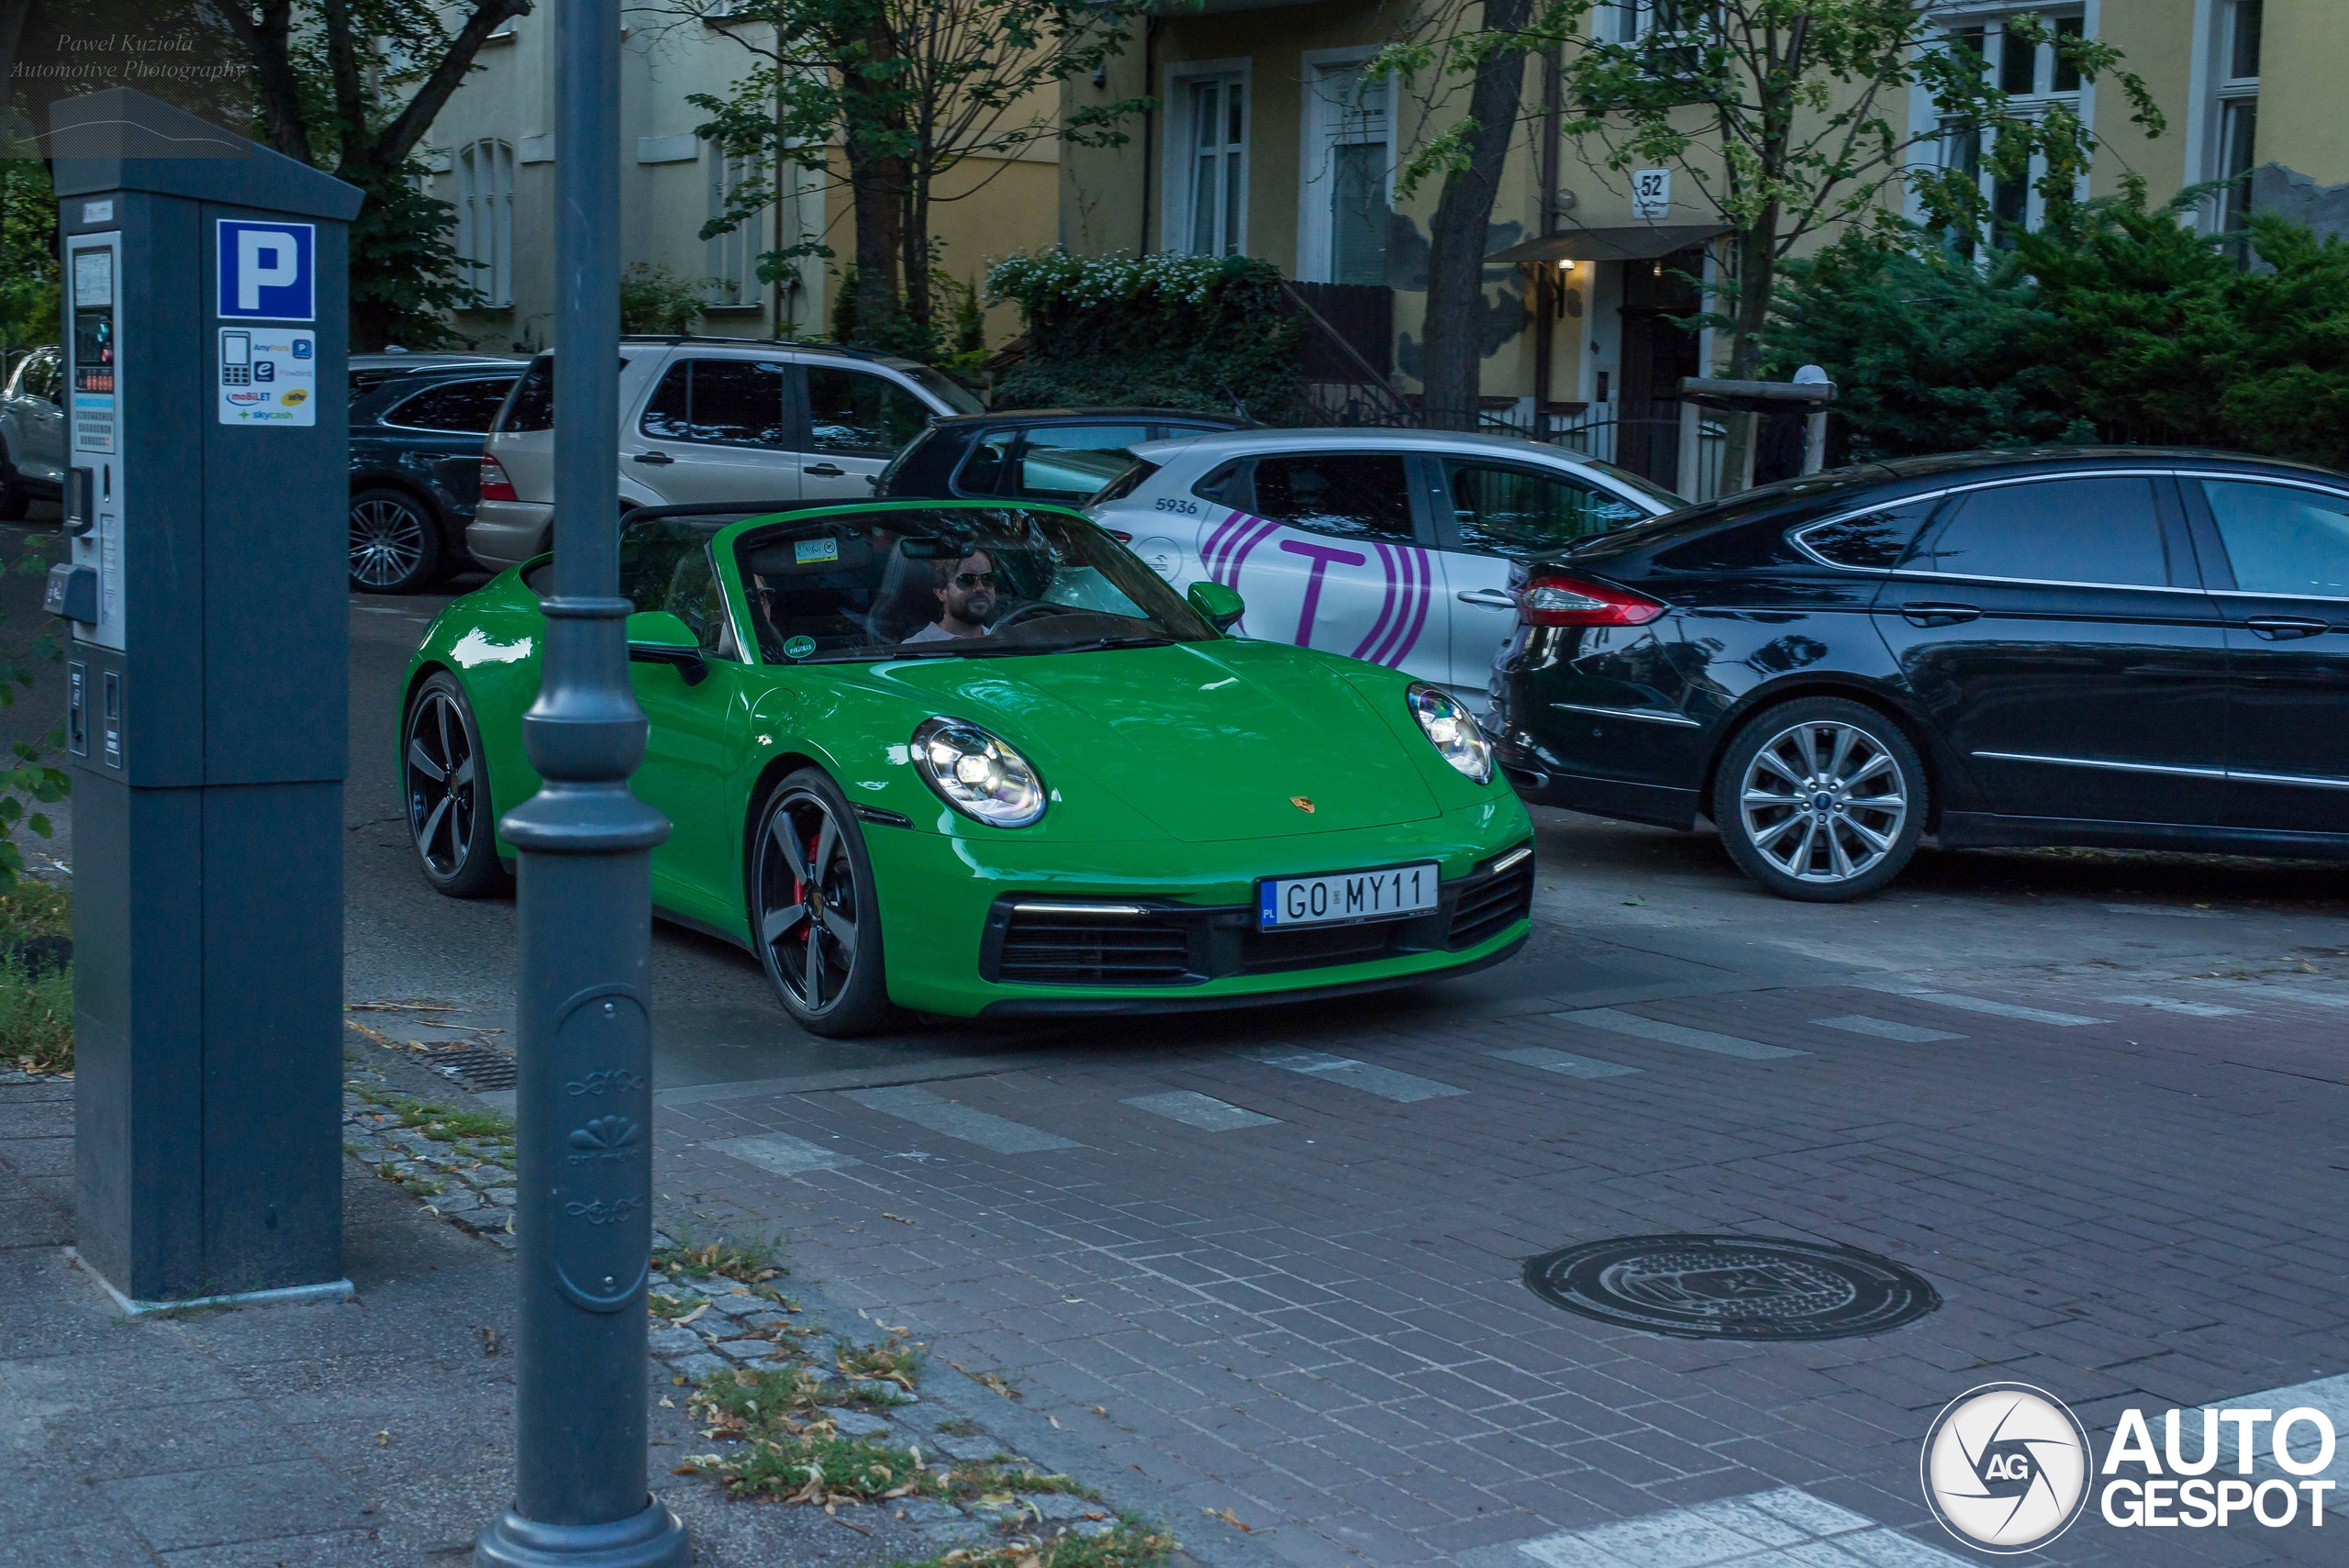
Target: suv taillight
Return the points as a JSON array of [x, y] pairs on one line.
[[1552, 598], [494, 485]]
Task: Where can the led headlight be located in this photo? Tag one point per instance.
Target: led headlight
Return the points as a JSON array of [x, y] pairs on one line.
[[976, 773], [1452, 729]]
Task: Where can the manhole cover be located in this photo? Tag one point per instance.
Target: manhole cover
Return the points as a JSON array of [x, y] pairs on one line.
[[475, 1067], [1732, 1287]]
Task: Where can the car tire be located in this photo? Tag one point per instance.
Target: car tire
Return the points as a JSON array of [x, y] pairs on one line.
[[1821, 799], [451, 818], [395, 543], [822, 955]]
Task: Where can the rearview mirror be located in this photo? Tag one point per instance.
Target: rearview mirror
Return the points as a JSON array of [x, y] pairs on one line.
[[656, 637], [1222, 606]]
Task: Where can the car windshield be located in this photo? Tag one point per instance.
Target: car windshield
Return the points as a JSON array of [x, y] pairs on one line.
[[939, 385], [950, 583]]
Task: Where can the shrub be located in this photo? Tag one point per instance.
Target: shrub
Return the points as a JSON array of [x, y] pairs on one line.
[[654, 300], [1172, 331]]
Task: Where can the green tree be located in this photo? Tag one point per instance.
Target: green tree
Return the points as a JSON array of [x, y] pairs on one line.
[[1791, 117], [352, 86], [28, 255], [905, 93]]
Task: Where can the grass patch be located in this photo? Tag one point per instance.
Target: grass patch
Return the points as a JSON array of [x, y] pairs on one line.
[[30, 908], [788, 1452], [483, 1135], [897, 1361], [36, 1018], [755, 1262], [957, 1426], [995, 1481], [1129, 1544]]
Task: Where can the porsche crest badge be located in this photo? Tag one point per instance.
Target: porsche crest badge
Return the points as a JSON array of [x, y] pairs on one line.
[[1301, 804]]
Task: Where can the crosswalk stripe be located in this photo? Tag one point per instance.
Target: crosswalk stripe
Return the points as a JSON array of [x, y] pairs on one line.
[[1977, 1004], [1786, 1529], [999, 1134], [2270, 991], [1572, 1066], [1617, 1022], [1386, 1082], [2171, 1004], [781, 1153], [1202, 1111], [1884, 1029]]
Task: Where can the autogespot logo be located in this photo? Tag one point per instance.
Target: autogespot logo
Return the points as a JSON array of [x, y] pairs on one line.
[[2007, 1467]]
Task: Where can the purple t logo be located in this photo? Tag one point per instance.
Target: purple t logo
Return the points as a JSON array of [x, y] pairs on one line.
[[1322, 555]]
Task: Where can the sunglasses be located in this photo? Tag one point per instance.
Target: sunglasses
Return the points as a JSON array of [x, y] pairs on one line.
[[974, 579]]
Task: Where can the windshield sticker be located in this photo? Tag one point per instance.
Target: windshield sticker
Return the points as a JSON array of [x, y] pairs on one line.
[[799, 647], [807, 551]]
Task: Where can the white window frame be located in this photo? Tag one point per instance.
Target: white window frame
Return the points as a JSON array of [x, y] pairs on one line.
[[732, 263], [485, 218], [1175, 232], [2081, 100], [1320, 132], [2212, 93]]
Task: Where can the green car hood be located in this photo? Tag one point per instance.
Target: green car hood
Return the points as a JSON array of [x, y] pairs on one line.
[[1208, 742]]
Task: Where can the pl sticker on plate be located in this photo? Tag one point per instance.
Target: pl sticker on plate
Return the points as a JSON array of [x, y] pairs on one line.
[[808, 551], [799, 648]]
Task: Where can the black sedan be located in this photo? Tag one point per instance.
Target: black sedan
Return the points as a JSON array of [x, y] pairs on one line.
[[416, 444], [2124, 647], [1037, 454]]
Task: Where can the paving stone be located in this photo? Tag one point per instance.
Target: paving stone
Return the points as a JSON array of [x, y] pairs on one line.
[[693, 1368], [745, 1350], [674, 1342], [857, 1423]]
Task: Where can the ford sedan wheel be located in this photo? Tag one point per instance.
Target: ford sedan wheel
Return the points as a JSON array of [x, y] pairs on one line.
[[1821, 799], [817, 924], [395, 543]]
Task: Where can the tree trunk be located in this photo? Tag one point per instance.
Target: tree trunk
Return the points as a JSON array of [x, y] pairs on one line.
[[1452, 335], [877, 177]]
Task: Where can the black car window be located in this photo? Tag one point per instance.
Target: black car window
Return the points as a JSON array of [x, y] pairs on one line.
[[43, 376], [532, 406], [1126, 483], [981, 470], [861, 414], [2283, 539], [1355, 496], [722, 402], [1873, 541], [1227, 486], [2101, 531], [1069, 463], [1524, 513], [665, 565], [459, 407]]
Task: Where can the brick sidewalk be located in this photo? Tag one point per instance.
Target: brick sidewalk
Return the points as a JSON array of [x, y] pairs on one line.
[[1316, 1321]]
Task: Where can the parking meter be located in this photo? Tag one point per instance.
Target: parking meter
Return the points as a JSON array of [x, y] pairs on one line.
[[205, 325]]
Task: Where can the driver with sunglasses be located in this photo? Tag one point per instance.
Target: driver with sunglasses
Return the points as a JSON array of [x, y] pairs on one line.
[[966, 600]]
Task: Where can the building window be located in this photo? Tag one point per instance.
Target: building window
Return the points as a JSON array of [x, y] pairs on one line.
[[2238, 121], [1348, 181], [1215, 182], [733, 255], [485, 219], [2035, 77]]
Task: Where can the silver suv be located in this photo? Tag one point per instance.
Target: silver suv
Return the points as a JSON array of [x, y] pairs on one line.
[[32, 432], [713, 420]]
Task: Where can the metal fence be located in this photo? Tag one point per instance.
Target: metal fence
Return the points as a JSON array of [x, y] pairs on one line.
[[1642, 437]]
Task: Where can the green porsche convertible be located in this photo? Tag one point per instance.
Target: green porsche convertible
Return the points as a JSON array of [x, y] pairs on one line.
[[968, 759]]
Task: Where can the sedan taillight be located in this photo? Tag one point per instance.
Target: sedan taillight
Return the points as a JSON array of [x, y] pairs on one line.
[[1552, 598], [494, 485]]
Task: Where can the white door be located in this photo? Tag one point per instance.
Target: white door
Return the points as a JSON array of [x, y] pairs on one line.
[[715, 429], [857, 420], [1496, 513], [1327, 553]]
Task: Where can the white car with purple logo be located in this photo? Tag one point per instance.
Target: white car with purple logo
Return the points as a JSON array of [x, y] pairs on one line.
[[1393, 546]]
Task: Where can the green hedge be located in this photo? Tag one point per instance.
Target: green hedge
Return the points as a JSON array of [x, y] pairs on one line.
[[1167, 331], [2115, 323]]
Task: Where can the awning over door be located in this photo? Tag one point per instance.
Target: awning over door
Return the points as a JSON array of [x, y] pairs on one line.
[[1633, 242]]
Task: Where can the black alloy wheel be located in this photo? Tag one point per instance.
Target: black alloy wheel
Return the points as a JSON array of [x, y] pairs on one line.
[[449, 815], [395, 543], [817, 927], [1821, 799]]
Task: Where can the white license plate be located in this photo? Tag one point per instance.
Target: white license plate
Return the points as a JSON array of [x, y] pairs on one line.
[[1347, 896]]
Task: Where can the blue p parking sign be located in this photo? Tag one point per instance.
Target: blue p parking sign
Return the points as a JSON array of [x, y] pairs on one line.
[[267, 270]]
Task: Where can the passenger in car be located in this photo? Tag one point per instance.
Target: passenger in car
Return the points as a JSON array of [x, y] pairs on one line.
[[966, 601]]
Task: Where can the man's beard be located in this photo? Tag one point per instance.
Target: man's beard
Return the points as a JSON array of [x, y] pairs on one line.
[[977, 608]]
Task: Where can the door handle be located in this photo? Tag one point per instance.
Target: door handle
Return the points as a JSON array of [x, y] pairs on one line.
[[1926, 613], [825, 471], [655, 459], [1490, 598], [2285, 629]]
